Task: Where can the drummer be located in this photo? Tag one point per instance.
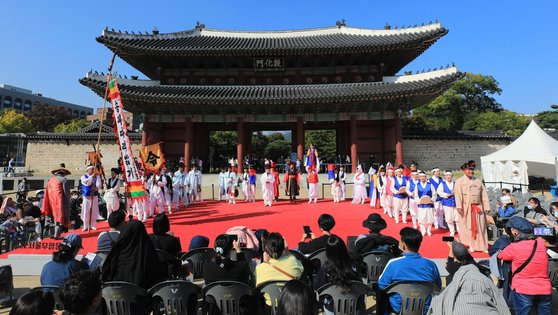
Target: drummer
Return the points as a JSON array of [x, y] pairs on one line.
[[424, 195]]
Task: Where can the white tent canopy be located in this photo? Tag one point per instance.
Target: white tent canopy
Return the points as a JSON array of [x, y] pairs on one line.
[[534, 153]]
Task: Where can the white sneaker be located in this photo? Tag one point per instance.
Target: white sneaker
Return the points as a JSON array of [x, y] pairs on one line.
[[94, 228]]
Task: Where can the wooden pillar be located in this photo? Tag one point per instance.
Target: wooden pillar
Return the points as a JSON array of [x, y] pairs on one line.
[[187, 143], [398, 142], [240, 143], [144, 134], [354, 153], [299, 138]]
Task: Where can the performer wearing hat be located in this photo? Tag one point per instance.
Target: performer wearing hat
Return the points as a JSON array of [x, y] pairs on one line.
[[413, 205], [424, 195], [232, 183], [90, 186], [312, 184], [268, 185], [359, 180], [292, 181], [156, 184], [388, 194], [222, 184], [276, 183], [56, 202], [252, 184], [381, 183], [177, 188], [400, 197], [342, 180], [312, 159], [436, 180], [194, 183], [245, 182], [372, 178], [445, 190], [111, 193], [472, 205]]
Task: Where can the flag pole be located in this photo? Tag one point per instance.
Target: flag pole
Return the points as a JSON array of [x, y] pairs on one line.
[[97, 152]]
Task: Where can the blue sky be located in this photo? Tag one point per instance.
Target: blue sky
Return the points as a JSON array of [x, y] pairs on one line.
[[46, 46]]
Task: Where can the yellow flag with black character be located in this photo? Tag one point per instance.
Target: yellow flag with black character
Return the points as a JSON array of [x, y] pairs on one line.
[[152, 157]]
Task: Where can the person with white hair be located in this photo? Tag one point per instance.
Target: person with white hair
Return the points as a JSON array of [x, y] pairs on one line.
[[435, 180], [400, 198], [424, 195], [90, 186], [413, 205], [359, 180], [445, 191]]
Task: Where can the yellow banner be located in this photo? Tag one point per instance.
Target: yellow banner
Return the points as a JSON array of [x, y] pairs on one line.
[[152, 157]]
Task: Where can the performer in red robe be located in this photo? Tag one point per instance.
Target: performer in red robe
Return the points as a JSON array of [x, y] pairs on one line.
[[56, 202], [276, 183]]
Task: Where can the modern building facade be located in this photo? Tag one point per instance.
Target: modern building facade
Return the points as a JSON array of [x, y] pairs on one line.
[[339, 77], [12, 97]]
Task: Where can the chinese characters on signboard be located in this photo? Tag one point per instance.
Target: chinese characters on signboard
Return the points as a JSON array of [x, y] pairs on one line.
[[269, 64]]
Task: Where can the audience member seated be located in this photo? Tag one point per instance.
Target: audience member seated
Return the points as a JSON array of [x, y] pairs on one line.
[[198, 241], [223, 268], [409, 267], [470, 291], [530, 282], [116, 222], [376, 241], [507, 192], [64, 262], [552, 218], [326, 223], [133, 258], [297, 299], [76, 200], [278, 263], [533, 211], [340, 270], [9, 207], [36, 302], [162, 238], [31, 217], [246, 237], [506, 208], [82, 294], [458, 257]]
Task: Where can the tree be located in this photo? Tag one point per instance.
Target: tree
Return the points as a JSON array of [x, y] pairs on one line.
[[71, 126], [46, 118], [12, 121], [223, 144], [512, 124], [473, 93], [325, 141], [548, 118], [278, 148], [258, 145]]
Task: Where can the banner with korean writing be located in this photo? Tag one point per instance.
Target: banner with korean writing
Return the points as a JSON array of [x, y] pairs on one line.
[[131, 172], [152, 157], [94, 158]]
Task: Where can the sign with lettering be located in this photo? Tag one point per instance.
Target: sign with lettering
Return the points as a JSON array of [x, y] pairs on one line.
[[269, 64]]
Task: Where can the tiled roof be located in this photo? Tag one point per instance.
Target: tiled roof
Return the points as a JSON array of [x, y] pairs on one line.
[[428, 84], [90, 132], [456, 135]]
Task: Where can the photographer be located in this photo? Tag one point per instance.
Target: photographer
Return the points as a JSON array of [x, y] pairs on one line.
[[529, 279], [326, 222]]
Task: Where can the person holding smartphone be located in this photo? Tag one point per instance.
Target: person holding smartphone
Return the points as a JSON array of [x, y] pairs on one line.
[[326, 222]]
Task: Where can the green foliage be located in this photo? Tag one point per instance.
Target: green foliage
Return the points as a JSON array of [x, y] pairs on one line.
[[510, 123], [223, 145], [474, 93], [46, 118], [278, 148], [325, 141], [548, 118], [259, 143], [71, 126], [12, 121]]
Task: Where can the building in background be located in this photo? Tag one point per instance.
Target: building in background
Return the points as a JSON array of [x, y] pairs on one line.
[[12, 97], [133, 124]]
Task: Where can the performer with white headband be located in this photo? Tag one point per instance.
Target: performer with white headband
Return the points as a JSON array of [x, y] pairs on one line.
[[90, 186], [111, 193], [400, 198], [424, 195], [445, 190], [411, 187], [436, 180]]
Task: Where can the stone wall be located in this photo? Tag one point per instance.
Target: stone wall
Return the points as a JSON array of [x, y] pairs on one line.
[[43, 156], [448, 154]]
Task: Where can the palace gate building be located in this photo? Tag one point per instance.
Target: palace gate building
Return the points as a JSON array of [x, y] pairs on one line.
[[339, 77]]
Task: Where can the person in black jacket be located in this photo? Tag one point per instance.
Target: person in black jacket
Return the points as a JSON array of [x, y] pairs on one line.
[[326, 222], [376, 241], [224, 268], [162, 238]]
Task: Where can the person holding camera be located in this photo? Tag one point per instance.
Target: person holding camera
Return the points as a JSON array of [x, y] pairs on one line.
[[326, 222], [529, 278]]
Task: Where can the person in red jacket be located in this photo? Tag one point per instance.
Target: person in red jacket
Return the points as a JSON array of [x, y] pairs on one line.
[[312, 184], [56, 203], [276, 183]]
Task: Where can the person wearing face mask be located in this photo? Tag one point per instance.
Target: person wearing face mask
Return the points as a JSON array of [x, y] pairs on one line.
[[529, 266], [533, 211], [552, 219]]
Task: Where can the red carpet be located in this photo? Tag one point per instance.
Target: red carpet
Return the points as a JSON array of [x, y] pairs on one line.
[[212, 218]]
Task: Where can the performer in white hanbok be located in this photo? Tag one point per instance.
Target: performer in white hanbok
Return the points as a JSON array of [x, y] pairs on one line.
[[413, 205], [194, 183], [400, 197], [424, 196], [176, 188], [436, 180], [111, 193], [388, 194], [181, 174], [359, 180], [268, 181], [245, 184], [445, 190], [222, 184], [232, 183], [156, 183], [168, 190], [90, 186], [312, 184], [381, 187], [342, 180]]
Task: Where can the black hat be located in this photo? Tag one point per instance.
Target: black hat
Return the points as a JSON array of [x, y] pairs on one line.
[[115, 170], [471, 164], [374, 222], [267, 166]]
